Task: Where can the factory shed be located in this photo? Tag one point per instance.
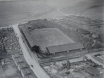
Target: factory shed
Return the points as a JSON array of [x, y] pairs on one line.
[[65, 47], [93, 71]]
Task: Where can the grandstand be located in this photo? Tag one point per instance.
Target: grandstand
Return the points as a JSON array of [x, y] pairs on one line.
[[31, 41]]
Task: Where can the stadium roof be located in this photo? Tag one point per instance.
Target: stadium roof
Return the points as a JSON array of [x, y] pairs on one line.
[[31, 40], [65, 47], [50, 37]]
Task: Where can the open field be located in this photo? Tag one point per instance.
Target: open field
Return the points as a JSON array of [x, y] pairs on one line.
[[90, 8], [16, 12], [13, 11], [50, 37]]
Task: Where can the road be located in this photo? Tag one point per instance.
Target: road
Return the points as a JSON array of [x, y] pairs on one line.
[[40, 73]]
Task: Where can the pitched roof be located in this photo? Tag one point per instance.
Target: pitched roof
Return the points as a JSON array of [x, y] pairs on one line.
[[31, 40], [65, 47], [92, 71]]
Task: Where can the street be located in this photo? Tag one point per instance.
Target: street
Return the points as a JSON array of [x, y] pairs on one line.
[[37, 69]]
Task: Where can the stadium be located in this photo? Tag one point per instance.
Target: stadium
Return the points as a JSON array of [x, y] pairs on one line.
[[50, 44]]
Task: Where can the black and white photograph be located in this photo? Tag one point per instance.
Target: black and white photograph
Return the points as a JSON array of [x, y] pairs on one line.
[[51, 38]]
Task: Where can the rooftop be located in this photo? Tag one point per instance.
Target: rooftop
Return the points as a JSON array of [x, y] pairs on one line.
[[92, 71], [65, 47]]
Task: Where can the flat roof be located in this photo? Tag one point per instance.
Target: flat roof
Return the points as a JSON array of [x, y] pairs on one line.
[[50, 37], [65, 47]]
